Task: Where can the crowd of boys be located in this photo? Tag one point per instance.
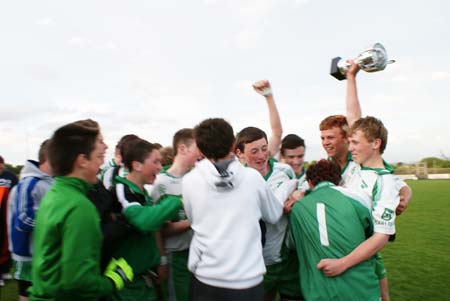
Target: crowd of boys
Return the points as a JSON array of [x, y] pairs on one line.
[[226, 218]]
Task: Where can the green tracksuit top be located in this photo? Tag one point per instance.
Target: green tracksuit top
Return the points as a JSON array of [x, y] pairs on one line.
[[328, 223], [139, 249], [67, 244]]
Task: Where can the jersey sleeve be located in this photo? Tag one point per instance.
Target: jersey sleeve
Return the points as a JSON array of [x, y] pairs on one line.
[[270, 204], [150, 218], [385, 200]]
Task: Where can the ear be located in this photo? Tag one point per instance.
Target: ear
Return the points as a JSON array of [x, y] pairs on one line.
[[80, 161], [181, 149], [136, 165], [376, 144], [310, 184]]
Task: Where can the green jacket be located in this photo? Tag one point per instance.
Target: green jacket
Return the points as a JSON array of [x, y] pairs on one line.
[[67, 244], [139, 249]]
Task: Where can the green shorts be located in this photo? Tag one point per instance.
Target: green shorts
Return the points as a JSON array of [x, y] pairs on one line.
[[136, 290], [22, 270], [380, 270], [282, 277], [181, 276]]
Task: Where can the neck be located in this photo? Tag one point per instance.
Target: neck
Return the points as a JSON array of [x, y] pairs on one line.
[[228, 157], [266, 170], [178, 168], [136, 179], [45, 168], [341, 160], [374, 162]]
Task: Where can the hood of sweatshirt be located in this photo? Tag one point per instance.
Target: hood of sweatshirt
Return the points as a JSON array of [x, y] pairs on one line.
[[31, 169], [223, 175]]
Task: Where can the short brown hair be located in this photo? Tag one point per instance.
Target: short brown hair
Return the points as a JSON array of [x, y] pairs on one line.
[[136, 150], [214, 138], [166, 155], [183, 136], [42, 154], [373, 129], [324, 170], [248, 135], [68, 142], [339, 121], [291, 141]]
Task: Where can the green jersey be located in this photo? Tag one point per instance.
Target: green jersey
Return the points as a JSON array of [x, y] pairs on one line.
[[328, 223], [67, 244]]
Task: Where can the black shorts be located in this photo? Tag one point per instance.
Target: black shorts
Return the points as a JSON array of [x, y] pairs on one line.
[[200, 291]]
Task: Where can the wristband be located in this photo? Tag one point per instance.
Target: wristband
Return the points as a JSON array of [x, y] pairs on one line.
[[266, 92]]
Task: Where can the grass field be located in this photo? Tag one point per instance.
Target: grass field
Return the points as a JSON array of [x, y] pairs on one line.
[[418, 262]]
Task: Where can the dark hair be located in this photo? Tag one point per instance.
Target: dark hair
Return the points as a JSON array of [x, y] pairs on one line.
[[68, 142], [291, 141], [248, 135], [183, 136], [136, 150], [214, 138], [43, 149], [2, 161], [166, 155], [339, 121], [124, 140], [373, 129], [324, 170]]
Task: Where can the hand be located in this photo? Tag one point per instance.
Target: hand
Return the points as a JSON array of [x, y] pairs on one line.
[[119, 272], [163, 273], [263, 87], [297, 195], [403, 204], [353, 69], [332, 267]]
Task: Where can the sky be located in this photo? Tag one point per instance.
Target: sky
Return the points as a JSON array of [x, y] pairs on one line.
[[153, 67]]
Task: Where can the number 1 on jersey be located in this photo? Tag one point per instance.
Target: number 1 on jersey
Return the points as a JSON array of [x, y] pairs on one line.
[[322, 224]]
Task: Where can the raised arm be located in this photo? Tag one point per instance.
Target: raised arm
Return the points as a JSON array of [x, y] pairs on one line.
[[353, 108], [263, 87]]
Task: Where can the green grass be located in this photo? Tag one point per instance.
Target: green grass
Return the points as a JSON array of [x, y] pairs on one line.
[[418, 262], [9, 291]]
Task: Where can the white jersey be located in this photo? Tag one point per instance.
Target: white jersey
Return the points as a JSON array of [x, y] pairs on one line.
[[303, 185], [168, 184], [282, 182], [379, 190]]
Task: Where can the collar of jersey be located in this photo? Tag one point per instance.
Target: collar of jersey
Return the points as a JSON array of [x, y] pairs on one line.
[[388, 169], [133, 187], [323, 184], [271, 162], [77, 183], [303, 172]]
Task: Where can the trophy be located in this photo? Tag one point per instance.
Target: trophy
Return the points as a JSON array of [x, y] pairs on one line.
[[370, 60]]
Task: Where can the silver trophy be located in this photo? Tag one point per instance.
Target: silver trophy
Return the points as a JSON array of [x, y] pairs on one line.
[[370, 60]]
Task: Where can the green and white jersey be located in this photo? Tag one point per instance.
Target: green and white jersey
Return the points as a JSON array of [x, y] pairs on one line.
[[379, 188], [280, 179], [328, 223], [302, 183], [107, 174], [165, 184]]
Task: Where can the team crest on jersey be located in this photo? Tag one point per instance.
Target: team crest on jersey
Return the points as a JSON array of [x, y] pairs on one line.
[[279, 184], [162, 189], [387, 214]]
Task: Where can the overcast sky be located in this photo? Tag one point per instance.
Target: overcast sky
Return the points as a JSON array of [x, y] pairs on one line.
[[153, 67]]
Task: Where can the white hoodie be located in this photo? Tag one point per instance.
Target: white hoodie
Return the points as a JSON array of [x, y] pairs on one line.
[[224, 209]]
